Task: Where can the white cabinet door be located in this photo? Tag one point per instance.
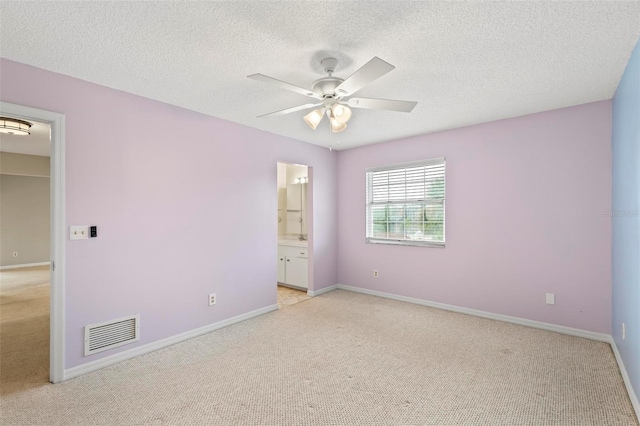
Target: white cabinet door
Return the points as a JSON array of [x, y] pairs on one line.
[[297, 271], [281, 269], [294, 197]]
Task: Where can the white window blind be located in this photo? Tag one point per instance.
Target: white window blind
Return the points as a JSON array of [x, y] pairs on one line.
[[405, 203]]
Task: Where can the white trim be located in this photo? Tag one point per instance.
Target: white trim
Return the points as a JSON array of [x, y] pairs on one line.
[[625, 377], [483, 314], [57, 176], [395, 166], [313, 293], [70, 373], [24, 265], [380, 193]]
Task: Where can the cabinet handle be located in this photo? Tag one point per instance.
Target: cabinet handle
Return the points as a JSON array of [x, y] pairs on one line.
[[288, 260], [281, 258]]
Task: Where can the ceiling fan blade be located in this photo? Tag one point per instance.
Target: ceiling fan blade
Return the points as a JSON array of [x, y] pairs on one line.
[[284, 85], [289, 110], [385, 104], [371, 71]]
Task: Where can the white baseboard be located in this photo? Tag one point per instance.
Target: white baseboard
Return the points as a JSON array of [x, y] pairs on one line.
[[506, 318], [24, 265], [295, 287], [79, 370], [322, 290], [627, 381]]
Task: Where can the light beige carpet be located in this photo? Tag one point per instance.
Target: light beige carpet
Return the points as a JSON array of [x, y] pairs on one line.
[[13, 281], [347, 359], [24, 328]]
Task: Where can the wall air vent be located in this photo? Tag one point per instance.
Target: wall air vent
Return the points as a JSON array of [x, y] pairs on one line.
[[111, 334]]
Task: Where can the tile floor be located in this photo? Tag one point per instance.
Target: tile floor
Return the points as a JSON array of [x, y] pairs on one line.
[[288, 296]]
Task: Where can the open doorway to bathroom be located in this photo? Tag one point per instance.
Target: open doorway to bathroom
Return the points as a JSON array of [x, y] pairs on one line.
[[293, 234]]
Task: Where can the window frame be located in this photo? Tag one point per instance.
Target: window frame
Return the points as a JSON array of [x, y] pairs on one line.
[[368, 211]]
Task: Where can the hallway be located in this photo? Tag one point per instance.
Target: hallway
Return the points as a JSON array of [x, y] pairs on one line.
[[24, 328]]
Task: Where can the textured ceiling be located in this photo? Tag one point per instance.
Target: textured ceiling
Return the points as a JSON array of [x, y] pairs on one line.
[[464, 62]]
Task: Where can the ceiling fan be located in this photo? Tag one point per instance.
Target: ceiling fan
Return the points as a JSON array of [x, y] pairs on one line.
[[334, 95]]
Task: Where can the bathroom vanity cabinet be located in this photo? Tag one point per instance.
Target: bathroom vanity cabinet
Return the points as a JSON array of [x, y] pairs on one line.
[[293, 264]]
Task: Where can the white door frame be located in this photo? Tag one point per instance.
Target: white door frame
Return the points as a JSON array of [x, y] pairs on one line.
[[309, 219], [56, 327]]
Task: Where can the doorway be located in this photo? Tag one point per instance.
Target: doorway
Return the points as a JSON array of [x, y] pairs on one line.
[[24, 254], [32, 274], [293, 233]]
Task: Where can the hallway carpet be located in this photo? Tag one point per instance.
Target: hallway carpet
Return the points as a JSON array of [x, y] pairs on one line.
[[345, 358], [24, 328]]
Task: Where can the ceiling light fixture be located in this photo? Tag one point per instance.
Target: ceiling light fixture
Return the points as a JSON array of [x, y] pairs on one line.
[[314, 117], [341, 113], [13, 126], [336, 125], [338, 117]]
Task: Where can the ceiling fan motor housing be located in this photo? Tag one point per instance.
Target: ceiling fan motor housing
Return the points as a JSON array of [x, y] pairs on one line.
[[326, 86]]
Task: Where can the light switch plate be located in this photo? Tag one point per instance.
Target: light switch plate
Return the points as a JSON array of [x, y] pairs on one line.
[[79, 232]]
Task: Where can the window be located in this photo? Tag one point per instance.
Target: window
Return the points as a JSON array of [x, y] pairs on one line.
[[405, 203]]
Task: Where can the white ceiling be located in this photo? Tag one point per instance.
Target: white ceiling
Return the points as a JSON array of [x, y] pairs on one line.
[[37, 143], [464, 62]]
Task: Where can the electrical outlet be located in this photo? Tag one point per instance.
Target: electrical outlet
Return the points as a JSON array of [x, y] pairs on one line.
[[375, 273], [212, 299], [624, 332], [15, 254], [551, 299]]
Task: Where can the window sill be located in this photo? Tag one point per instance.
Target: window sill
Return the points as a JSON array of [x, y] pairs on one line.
[[405, 243]]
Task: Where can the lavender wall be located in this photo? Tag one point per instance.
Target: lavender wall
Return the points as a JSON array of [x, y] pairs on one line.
[[525, 215], [626, 221], [185, 206]]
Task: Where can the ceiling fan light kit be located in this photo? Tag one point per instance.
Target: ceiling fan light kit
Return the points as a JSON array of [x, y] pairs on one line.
[[336, 126], [335, 94], [13, 126], [314, 117], [342, 113]]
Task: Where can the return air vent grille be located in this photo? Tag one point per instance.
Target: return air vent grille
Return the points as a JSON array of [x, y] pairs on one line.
[[111, 334]]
